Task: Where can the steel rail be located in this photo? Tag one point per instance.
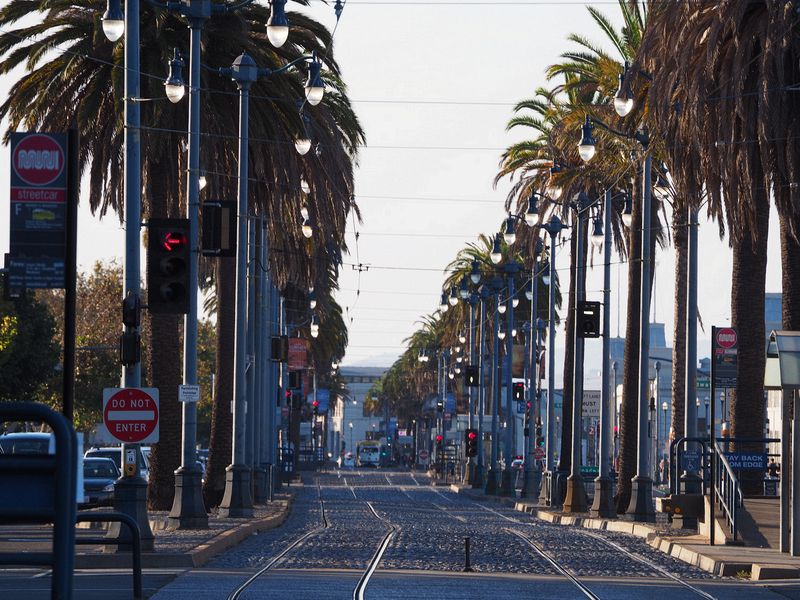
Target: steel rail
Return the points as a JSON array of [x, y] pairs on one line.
[[363, 582]]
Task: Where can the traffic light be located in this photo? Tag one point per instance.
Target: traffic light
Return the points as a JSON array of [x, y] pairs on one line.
[[294, 380], [471, 376], [168, 256], [471, 441], [280, 348], [315, 404], [439, 442], [588, 319], [539, 438], [519, 390], [439, 404]]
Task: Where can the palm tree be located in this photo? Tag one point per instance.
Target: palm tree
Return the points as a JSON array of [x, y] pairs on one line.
[[732, 133], [81, 85]]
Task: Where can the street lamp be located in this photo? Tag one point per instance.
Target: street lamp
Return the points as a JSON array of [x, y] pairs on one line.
[[113, 21], [641, 503], [278, 24], [237, 500], [443, 305], [623, 98], [550, 493], [495, 285], [453, 299], [174, 85], [475, 273]]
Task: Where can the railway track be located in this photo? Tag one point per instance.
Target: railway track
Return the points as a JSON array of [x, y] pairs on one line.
[[566, 571], [364, 579]]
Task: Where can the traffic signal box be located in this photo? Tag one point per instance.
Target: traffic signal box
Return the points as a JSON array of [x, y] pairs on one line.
[[519, 390], [588, 319], [168, 256], [439, 443], [471, 442], [471, 376]]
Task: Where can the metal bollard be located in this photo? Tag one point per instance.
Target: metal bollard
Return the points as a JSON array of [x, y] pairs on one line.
[[467, 567]]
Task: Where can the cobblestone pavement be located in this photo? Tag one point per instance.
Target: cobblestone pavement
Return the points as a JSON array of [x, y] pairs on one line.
[[426, 552]]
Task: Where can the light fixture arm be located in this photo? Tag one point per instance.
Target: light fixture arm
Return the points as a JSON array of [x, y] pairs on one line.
[[641, 136]]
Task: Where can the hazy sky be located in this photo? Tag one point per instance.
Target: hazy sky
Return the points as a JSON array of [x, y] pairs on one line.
[[434, 84]]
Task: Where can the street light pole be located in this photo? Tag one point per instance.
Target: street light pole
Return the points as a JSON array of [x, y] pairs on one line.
[[641, 507], [479, 467], [473, 306], [575, 500], [603, 504], [507, 487], [496, 285], [130, 493], [532, 477], [554, 228]]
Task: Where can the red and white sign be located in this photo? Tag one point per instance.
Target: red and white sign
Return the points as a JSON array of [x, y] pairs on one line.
[[423, 456], [538, 453], [131, 414], [726, 337], [38, 160]]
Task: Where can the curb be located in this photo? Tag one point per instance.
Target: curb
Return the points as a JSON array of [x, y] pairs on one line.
[[196, 557]]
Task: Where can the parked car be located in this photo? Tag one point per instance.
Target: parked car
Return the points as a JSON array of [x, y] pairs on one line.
[[347, 461], [518, 463], [99, 475], [25, 442], [115, 454]]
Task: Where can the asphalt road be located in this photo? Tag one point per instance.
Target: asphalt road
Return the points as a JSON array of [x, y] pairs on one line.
[[341, 521]]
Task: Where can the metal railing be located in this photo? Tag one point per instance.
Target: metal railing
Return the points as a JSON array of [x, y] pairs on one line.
[[676, 452], [727, 491]]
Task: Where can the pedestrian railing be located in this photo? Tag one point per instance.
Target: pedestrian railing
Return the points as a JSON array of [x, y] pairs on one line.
[[727, 491], [40, 489]]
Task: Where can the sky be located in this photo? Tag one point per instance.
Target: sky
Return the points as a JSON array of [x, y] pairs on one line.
[[434, 84]]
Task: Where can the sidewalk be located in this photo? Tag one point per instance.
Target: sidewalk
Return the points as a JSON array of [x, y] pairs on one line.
[[173, 549], [685, 545]]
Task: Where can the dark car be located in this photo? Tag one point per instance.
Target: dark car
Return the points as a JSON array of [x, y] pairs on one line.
[[115, 454], [99, 475]]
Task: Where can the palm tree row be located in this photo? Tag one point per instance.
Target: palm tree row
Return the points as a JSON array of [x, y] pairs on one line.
[[74, 78], [720, 112], [411, 381]]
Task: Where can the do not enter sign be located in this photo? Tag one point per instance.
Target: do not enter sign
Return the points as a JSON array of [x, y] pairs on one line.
[[131, 414], [726, 337]]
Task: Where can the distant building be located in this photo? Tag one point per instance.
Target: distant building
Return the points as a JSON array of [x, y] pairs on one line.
[[350, 409]]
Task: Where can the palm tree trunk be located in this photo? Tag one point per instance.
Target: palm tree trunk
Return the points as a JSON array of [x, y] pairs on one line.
[[565, 451], [790, 270], [219, 453], [747, 314], [680, 242]]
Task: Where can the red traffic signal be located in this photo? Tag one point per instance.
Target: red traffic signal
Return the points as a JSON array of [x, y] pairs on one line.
[[173, 240], [439, 438], [471, 441], [315, 403], [471, 435]]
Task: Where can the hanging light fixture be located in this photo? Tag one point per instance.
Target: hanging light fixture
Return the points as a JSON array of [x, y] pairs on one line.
[[113, 21], [304, 185], [315, 88], [314, 326], [529, 288], [627, 212], [586, 147], [453, 299], [532, 214], [475, 274], [509, 235], [312, 299], [202, 182], [462, 338], [307, 229], [463, 290], [501, 334], [496, 254], [304, 212], [623, 98], [597, 233], [501, 307], [278, 24], [303, 141], [515, 302], [173, 86], [443, 305]]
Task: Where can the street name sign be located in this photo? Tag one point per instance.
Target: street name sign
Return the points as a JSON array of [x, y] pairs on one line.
[[131, 414]]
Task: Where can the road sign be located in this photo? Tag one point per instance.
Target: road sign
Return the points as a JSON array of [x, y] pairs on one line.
[[538, 453], [188, 393], [131, 414], [690, 461], [590, 406], [423, 455], [726, 357], [726, 337]]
